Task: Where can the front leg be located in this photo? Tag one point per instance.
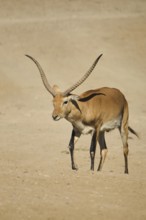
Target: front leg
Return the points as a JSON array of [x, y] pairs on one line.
[[93, 149], [74, 137]]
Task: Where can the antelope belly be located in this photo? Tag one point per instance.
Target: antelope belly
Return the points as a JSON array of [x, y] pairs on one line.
[[110, 125]]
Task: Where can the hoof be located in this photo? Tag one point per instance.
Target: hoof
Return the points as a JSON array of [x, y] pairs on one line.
[[74, 167], [126, 172]]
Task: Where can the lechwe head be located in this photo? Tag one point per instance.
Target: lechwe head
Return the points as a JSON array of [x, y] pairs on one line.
[[61, 100]]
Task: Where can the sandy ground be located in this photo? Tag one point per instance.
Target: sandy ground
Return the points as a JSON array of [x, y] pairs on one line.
[[36, 180]]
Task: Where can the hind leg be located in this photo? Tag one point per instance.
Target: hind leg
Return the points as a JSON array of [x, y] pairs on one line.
[[124, 136], [103, 150]]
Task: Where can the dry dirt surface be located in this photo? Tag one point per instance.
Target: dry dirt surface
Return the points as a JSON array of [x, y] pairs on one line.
[[36, 180]]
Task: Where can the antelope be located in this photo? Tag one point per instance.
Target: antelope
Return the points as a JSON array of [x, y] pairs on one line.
[[95, 112]]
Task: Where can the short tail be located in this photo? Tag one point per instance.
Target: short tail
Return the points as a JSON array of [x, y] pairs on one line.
[[133, 132]]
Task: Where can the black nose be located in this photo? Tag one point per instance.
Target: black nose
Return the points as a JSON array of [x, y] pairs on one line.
[[54, 117]]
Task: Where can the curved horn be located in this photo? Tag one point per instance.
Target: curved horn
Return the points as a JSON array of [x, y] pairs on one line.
[[43, 76], [83, 78]]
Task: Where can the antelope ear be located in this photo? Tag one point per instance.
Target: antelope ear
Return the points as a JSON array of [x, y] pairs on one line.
[[56, 89], [74, 97]]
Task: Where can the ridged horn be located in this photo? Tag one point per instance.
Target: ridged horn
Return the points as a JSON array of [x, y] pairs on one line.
[[86, 75], [43, 76]]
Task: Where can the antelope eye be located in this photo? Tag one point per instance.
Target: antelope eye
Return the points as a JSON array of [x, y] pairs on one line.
[[65, 102]]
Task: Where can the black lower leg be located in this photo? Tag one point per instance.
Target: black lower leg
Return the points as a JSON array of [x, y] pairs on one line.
[[71, 148], [126, 164], [92, 150], [126, 158]]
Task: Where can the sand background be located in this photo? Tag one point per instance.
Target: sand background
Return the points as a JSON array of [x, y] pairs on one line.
[[36, 180]]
